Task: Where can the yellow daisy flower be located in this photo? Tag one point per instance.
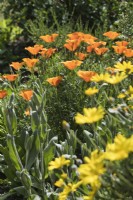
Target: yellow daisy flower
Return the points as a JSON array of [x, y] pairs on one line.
[[120, 149], [121, 95], [116, 78], [130, 98], [59, 183], [130, 90], [90, 171], [58, 163], [124, 67], [91, 115], [91, 91], [69, 188], [100, 77]]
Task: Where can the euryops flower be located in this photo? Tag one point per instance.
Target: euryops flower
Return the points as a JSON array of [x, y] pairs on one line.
[[58, 163], [115, 78], [91, 91], [124, 67], [93, 168], [120, 149], [71, 187], [100, 77], [91, 115]]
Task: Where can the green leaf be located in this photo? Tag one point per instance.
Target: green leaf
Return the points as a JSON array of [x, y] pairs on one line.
[[13, 153], [10, 174], [34, 197], [35, 149], [5, 196], [35, 121], [49, 154]]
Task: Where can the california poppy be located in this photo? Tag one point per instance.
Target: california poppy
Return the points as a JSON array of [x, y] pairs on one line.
[[35, 49], [89, 49], [86, 75], [88, 37], [49, 38], [47, 52], [27, 111], [122, 43], [76, 35], [100, 51], [72, 45], [54, 81], [16, 65], [26, 94], [119, 49], [80, 55], [111, 35], [72, 64], [30, 62], [3, 93], [10, 77], [128, 53]]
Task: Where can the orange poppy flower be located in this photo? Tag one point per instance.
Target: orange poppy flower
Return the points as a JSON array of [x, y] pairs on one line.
[[54, 81], [90, 41], [49, 38], [72, 45], [26, 94], [89, 49], [97, 44], [86, 75], [128, 53], [35, 49], [16, 65], [111, 35], [80, 55], [122, 43], [47, 52], [30, 62], [27, 111], [3, 93], [72, 64], [100, 51], [88, 38], [10, 77], [76, 35], [119, 49]]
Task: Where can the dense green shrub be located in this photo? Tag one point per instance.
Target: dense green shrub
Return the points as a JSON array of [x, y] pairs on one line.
[[92, 11], [53, 13]]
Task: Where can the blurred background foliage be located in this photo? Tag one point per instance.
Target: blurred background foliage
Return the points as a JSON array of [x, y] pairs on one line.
[[21, 15]]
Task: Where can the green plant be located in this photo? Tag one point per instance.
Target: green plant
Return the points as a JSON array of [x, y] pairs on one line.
[[25, 163]]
